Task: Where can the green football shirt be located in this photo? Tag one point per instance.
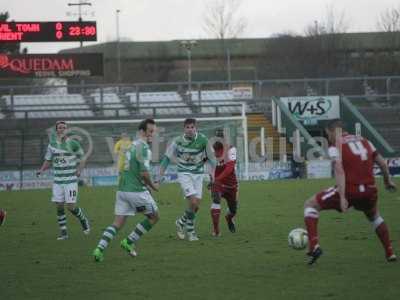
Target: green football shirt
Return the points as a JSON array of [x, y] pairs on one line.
[[137, 160], [64, 156], [190, 154]]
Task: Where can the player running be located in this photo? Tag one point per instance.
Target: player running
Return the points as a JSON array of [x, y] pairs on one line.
[[3, 215], [224, 185], [191, 150], [353, 159], [64, 153], [133, 194]]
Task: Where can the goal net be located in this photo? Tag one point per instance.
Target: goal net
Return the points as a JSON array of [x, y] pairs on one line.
[[98, 138]]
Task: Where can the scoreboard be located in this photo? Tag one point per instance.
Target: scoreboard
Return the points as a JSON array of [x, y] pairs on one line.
[[62, 31]]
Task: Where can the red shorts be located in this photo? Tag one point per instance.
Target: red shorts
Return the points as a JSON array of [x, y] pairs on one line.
[[362, 198], [227, 193]]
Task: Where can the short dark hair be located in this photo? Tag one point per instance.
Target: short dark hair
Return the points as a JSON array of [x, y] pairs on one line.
[[218, 145], [189, 121], [144, 123], [60, 122], [333, 124]]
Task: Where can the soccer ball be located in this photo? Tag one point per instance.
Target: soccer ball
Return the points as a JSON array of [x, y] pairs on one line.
[[298, 238]]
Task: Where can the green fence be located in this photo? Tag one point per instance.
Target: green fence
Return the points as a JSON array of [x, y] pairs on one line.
[[351, 116]]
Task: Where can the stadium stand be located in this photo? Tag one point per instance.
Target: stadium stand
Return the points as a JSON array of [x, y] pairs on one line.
[[310, 91], [220, 95], [163, 103], [11, 150], [387, 121], [208, 100], [257, 121], [110, 105], [47, 106]]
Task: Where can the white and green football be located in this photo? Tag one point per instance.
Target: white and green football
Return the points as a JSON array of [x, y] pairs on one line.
[[298, 238]]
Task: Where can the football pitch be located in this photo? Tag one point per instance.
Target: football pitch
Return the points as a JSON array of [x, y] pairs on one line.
[[253, 263]]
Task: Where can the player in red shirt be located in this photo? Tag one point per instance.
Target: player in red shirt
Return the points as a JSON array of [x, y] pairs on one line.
[[3, 215], [224, 185], [353, 160]]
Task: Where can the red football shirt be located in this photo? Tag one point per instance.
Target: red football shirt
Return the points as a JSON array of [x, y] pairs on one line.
[[225, 175], [358, 157]]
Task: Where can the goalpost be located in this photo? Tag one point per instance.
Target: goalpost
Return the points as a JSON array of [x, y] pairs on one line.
[[101, 132]]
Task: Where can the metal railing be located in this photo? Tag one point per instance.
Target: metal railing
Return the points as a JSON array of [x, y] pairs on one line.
[[214, 109], [350, 86], [360, 90]]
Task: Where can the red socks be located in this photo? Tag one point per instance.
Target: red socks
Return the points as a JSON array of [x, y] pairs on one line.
[[383, 234], [311, 216], [215, 213]]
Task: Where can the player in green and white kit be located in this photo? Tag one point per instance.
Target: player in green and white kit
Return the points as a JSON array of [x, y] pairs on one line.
[[64, 154], [191, 151], [133, 194]]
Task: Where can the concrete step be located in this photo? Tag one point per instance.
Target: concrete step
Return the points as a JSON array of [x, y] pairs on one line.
[[257, 121]]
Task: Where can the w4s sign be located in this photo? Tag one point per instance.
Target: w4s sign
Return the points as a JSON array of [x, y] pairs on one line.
[[313, 108]]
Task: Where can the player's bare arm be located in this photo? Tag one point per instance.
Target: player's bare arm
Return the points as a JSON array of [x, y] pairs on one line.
[[169, 154], [81, 166], [148, 182], [162, 171], [389, 184], [46, 165], [341, 185]]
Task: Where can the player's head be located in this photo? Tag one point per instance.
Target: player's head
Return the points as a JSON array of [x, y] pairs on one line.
[[189, 128], [333, 129], [147, 129], [219, 143], [218, 146], [61, 126]]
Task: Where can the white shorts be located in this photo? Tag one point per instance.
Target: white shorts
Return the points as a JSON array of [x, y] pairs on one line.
[[67, 193], [130, 203], [191, 184]]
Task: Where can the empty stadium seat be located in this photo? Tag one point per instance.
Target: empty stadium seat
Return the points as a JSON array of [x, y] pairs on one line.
[[159, 97], [110, 104], [211, 107], [218, 95], [111, 101], [45, 99], [165, 103], [41, 106], [211, 99]]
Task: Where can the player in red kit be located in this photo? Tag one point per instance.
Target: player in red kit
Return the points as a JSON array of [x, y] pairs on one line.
[[224, 185], [3, 215], [353, 160]]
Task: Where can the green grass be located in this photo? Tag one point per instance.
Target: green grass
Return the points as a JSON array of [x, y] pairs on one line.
[[254, 263]]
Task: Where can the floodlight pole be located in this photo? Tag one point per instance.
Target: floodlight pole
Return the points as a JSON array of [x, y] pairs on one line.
[[229, 68], [117, 12], [188, 45], [80, 4]]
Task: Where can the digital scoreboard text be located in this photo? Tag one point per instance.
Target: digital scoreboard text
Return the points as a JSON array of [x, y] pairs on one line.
[[19, 32]]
